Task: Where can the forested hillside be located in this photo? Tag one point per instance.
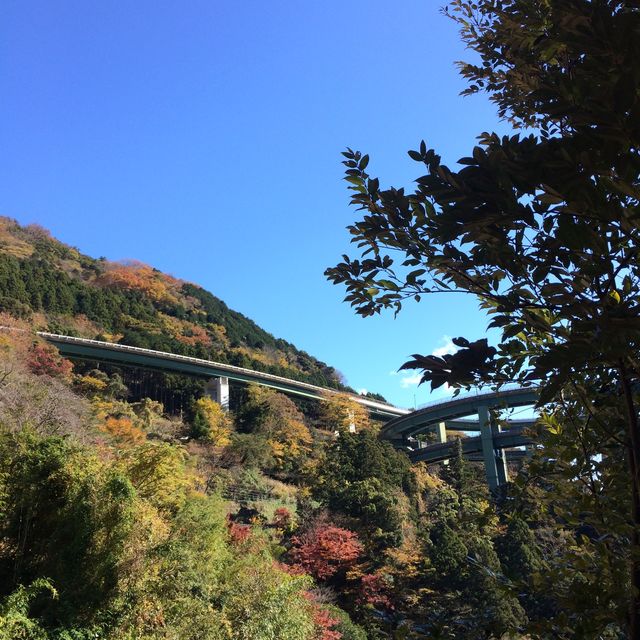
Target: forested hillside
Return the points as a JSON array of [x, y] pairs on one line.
[[61, 290], [124, 518], [121, 521], [121, 518]]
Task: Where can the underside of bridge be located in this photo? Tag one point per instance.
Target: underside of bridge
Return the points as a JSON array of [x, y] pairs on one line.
[[495, 439], [403, 427], [218, 374]]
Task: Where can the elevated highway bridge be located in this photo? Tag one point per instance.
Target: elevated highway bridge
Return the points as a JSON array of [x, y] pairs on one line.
[[473, 413], [470, 413], [219, 373]]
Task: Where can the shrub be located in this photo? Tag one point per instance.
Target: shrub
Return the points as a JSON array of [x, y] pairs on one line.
[[45, 360], [325, 550]]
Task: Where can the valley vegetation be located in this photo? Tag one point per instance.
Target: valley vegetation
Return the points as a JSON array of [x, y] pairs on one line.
[[120, 520], [130, 512]]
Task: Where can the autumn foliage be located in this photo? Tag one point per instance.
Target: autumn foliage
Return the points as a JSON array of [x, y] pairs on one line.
[[374, 591], [44, 360], [324, 550], [136, 276], [239, 533], [275, 417], [281, 518], [123, 430], [340, 412], [325, 624], [211, 422]]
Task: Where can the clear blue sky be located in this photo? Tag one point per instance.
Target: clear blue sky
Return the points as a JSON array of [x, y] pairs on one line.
[[204, 138]]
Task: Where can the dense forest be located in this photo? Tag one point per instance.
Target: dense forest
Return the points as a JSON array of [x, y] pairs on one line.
[[120, 521], [60, 290]]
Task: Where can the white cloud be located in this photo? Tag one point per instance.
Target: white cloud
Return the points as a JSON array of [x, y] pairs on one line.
[[362, 392], [447, 347], [410, 381], [447, 390]]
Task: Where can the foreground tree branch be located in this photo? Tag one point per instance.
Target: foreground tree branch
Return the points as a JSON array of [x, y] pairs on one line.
[[543, 227]]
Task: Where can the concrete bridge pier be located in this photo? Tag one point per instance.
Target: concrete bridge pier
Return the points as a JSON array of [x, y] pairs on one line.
[[441, 435], [500, 455], [501, 462], [218, 389], [488, 450], [495, 460]]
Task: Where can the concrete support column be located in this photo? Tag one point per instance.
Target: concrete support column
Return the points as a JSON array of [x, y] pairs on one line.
[[441, 435], [352, 424], [218, 389], [501, 460], [488, 454]]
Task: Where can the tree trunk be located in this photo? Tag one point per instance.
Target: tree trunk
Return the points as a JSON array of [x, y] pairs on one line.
[[634, 469]]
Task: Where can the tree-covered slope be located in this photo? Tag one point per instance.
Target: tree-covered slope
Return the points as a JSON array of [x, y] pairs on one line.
[[62, 290]]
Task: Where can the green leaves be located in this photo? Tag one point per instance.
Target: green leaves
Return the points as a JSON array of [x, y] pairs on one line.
[[544, 229], [466, 367]]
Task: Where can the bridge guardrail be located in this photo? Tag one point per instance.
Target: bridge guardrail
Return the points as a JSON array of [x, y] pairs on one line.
[[223, 366], [505, 389]]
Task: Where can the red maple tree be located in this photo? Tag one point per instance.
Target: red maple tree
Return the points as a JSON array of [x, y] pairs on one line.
[[325, 624], [239, 533], [281, 518], [44, 360], [374, 590], [324, 550]]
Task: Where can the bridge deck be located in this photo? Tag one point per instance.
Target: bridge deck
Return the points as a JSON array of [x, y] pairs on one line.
[[160, 360], [455, 408], [403, 423], [470, 446]]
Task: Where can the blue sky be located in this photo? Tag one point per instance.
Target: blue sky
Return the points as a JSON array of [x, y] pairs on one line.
[[204, 138]]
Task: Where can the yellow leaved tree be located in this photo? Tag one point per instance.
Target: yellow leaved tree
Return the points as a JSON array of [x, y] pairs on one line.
[[211, 422], [340, 412], [276, 418]]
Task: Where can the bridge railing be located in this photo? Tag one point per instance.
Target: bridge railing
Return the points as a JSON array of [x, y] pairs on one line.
[[462, 397], [221, 366]]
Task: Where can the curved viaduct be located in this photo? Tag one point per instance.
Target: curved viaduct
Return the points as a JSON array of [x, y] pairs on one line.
[[402, 424], [218, 372], [446, 416]]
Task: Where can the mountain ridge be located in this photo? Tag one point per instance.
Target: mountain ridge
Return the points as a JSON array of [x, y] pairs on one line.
[[60, 289]]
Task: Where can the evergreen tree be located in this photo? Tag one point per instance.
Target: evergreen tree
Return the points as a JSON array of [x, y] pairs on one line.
[[519, 555], [461, 476], [448, 555], [496, 611]]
